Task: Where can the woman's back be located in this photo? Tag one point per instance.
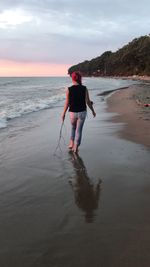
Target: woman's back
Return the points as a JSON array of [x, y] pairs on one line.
[[77, 98]]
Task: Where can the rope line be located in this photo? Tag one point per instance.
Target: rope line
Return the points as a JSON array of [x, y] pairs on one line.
[[59, 139]]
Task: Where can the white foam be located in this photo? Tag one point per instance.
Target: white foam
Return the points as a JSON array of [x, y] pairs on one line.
[[28, 106], [3, 123]]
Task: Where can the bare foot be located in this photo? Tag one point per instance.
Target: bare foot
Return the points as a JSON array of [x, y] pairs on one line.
[[71, 144], [75, 149]]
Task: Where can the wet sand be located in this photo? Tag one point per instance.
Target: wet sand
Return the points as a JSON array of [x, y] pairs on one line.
[[64, 210], [130, 105]]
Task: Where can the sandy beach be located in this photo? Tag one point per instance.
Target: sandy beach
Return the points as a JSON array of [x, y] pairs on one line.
[[88, 210], [132, 107]]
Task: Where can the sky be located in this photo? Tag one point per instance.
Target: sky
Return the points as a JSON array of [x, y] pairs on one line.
[[46, 37]]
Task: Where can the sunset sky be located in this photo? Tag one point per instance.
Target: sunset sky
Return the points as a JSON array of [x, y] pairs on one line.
[[46, 37]]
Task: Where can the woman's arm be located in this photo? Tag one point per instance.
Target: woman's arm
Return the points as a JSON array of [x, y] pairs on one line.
[[90, 103], [66, 105]]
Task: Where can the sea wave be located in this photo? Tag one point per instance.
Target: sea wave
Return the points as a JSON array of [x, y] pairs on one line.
[[3, 123], [14, 81], [28, 106], [20, 96]]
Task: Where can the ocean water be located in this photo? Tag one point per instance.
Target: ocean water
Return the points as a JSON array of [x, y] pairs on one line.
[[20, 96]]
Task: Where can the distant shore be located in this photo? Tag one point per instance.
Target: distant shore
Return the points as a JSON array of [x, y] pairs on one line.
[[143, 78]]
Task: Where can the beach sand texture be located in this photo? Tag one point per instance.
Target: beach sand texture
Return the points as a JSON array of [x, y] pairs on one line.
[[133, 108], [69, 211]]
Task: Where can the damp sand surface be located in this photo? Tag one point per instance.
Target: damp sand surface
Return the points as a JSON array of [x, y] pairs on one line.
[[67, 210]]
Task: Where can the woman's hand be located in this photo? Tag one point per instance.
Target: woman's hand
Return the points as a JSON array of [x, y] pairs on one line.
[[94, 114]]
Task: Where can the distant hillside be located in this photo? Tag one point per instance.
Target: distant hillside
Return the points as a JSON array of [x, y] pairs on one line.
[[131, 59]]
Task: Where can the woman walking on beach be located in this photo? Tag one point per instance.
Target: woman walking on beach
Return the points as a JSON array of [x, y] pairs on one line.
[[77, 97]]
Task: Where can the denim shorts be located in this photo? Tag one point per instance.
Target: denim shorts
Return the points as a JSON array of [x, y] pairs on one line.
[[78, 115]]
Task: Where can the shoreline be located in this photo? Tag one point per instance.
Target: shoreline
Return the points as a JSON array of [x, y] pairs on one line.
[[136, 78], [141, 78], [106, 93], [132, 108]]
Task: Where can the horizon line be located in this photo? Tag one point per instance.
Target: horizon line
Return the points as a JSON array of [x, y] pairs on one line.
[[35, 76]]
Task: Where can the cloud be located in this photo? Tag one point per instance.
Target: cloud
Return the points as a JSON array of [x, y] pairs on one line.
[[11, 18], [68, 32]]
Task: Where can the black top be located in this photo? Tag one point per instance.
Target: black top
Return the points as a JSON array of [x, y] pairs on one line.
[[77, 94]]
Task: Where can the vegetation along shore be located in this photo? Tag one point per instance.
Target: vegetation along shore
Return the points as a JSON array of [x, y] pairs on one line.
[[133, 59]]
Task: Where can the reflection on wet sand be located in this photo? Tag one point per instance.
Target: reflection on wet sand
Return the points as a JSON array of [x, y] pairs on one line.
[[85, 192]]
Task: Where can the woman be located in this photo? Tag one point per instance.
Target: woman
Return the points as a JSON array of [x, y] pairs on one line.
[[77, 97]]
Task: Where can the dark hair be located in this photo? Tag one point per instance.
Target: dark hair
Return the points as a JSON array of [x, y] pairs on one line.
[[76, 77]]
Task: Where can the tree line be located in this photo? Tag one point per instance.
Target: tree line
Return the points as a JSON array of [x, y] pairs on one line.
[[131, 59]]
